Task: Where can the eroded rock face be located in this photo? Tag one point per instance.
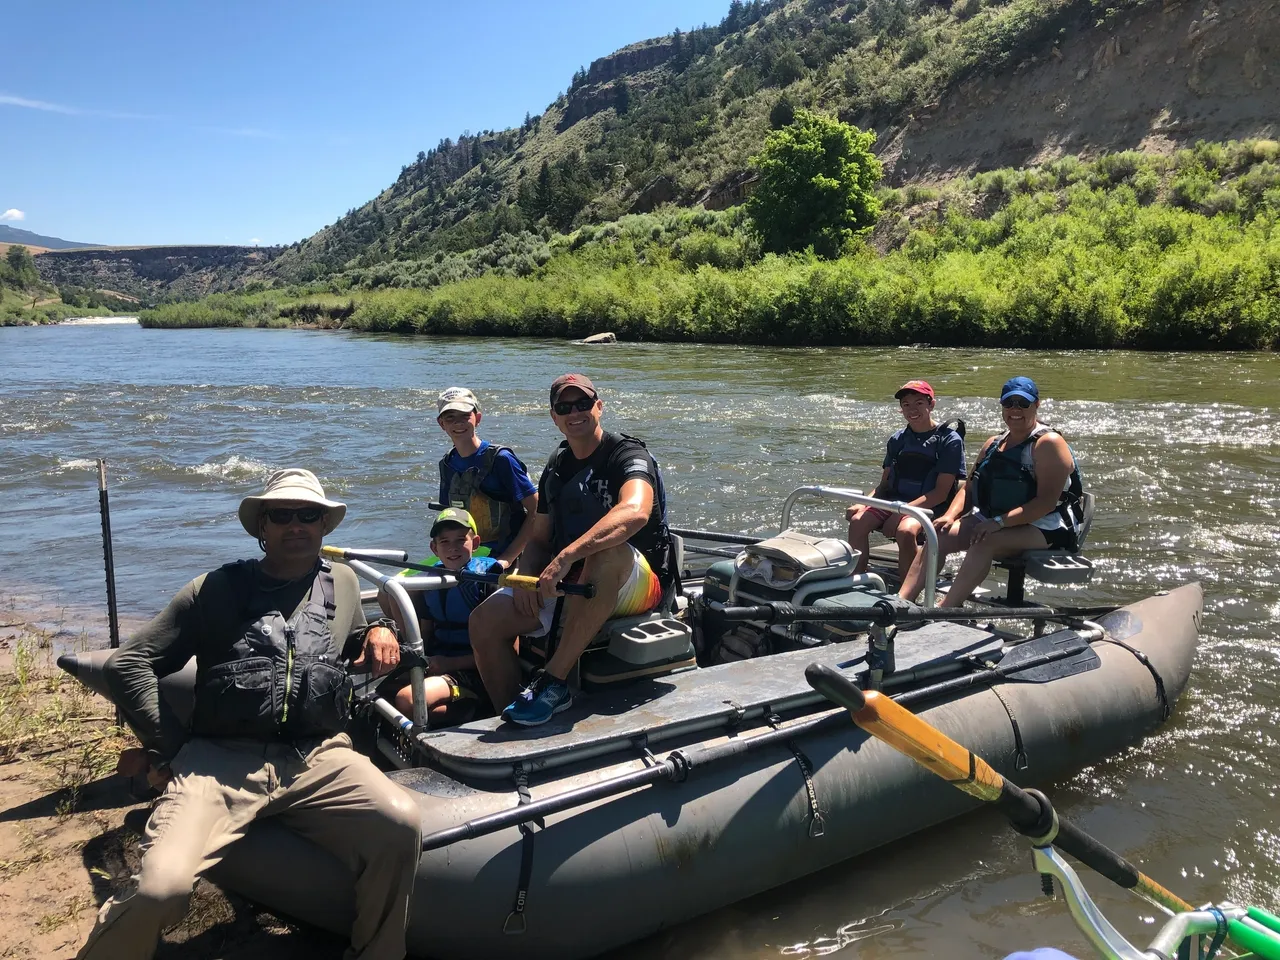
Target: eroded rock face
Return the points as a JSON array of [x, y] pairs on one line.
[[630, 60]]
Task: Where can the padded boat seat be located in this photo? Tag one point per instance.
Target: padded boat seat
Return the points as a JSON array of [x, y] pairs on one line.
[[1050, 566]]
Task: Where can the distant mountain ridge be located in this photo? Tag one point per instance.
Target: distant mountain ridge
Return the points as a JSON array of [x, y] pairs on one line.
[[14, 235]]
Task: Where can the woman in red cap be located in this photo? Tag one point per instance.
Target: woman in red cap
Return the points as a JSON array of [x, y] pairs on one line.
[[923, 464]]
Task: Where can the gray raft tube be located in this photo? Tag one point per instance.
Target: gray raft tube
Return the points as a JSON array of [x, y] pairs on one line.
[[621, 868]]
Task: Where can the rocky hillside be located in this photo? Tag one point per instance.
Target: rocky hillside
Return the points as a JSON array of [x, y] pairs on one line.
[[151, 274]]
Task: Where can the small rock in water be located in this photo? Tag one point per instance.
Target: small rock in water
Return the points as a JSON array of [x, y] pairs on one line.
[[608, 337]]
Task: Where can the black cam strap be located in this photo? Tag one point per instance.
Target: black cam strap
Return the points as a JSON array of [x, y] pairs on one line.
[[516, 924], [1142, 658], [1020, 750], [817, 824]]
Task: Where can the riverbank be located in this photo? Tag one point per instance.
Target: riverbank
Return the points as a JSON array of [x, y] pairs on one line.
[[70, 828], [1130, 250]]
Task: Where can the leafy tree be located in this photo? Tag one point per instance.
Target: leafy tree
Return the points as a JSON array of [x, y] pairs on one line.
[[783, 113], [23, 265], [622, 97], [817, 182]]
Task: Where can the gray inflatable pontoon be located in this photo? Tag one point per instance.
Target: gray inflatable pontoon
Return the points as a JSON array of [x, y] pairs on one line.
[[739, 778]]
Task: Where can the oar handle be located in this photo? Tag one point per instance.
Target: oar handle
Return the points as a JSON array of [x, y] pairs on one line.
[[514, 580], [835, 686]]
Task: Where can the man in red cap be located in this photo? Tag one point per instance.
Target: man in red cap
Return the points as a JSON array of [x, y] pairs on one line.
[[923, 464], [601, 510]]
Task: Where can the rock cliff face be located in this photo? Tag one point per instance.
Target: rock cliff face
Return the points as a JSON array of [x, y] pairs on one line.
[[630, 60], [1161, 80], [148, 272]]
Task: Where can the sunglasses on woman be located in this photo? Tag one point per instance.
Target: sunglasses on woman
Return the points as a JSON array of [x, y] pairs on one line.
[[1020, 402], [281, 516], [565, 407]]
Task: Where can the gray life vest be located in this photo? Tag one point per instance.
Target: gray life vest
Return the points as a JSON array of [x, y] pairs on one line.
[[497, 521], [279, 680]]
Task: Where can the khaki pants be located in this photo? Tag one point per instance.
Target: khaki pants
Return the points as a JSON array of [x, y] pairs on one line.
[[334, 797]]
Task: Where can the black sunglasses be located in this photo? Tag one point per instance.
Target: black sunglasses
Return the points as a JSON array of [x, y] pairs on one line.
[[284, 515], [566, 407], [1020, 402]]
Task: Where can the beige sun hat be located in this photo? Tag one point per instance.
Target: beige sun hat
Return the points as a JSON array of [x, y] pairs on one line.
[[300, 486]]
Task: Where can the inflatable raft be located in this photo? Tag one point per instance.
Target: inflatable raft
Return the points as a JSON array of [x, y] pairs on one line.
[[680, 783]]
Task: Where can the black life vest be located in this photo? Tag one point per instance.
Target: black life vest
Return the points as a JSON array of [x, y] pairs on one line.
[[497, 521], [912, 464], [576, 506], [280, 679], [1007, 479]]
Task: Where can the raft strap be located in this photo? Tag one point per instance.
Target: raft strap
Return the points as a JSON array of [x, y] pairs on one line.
[[816, 821], [1020, 750], [1142, 658], [1219, 935], [516, 924]]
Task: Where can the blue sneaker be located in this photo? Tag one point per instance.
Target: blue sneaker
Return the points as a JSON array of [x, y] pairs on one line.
[[539, 702]]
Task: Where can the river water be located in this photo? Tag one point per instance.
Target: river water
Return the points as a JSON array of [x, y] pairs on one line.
[[1182, 450]]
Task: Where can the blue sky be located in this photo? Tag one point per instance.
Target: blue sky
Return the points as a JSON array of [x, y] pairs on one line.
[[234, 122]]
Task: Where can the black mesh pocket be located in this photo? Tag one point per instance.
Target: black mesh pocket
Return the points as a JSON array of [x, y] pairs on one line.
[[324, 701], [237, 699]]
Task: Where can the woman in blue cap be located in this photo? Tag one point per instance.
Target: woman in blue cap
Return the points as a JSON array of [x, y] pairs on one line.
[[1024, 494]]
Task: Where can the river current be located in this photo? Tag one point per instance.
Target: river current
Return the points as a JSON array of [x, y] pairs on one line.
[[1182, 450]]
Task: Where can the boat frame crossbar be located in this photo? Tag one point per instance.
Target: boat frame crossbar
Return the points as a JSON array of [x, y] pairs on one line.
[[919, 514]]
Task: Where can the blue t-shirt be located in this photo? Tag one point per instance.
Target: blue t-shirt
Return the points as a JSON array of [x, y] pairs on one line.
[[914, 460], [507, 482]]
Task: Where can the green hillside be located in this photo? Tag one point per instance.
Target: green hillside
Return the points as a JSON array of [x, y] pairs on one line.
[[677, 118]]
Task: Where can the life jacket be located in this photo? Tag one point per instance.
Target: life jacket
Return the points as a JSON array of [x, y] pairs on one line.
[[1007, 479], [280, 679], [450, 609], [497, 521], [911, 465], [575, 508]]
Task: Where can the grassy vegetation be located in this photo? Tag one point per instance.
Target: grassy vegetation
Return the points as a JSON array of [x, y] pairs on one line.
[[1129, 250]]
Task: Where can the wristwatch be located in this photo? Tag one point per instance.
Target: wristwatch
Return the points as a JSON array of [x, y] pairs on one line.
[[999, 521]]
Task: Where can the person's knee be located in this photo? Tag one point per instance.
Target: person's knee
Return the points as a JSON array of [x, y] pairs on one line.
[[164, 885], [487, 623], [399, 821], [907, 532]]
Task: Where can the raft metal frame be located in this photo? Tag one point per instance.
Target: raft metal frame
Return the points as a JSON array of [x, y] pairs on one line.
[[919, 514]]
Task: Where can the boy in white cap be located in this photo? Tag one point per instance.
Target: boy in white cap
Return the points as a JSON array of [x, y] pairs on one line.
[[487, 480], [261, 632]]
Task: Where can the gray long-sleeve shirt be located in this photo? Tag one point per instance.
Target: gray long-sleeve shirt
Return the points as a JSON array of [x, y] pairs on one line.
[[209, 613]]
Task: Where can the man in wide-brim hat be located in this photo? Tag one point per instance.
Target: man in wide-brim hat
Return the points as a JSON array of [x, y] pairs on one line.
[[262, 632]]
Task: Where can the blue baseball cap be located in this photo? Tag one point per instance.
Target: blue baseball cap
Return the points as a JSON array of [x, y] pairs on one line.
[[1023, 387]]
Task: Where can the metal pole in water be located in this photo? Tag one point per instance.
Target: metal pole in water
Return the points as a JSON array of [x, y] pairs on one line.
[[108, 562]]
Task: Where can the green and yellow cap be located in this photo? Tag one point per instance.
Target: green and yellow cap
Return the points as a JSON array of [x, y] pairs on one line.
[[455, 516]]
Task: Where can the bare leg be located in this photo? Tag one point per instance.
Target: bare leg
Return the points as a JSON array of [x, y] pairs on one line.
[[494, 626], [904, 532], [862, 521], [979, 557], [583, 618], [952, 540]]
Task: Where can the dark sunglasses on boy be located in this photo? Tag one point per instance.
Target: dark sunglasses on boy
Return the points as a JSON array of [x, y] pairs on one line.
[[284, 515], [1020, 402], [566, 407]]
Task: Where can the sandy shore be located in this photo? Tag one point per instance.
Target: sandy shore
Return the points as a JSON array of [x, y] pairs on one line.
[[70, 827]]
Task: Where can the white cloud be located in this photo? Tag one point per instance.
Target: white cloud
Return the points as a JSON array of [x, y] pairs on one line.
[[12, 101], [13, 214], [255, 241]]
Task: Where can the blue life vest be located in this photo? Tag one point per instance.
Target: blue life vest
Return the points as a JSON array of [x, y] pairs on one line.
[[450, 609], [497, 521]]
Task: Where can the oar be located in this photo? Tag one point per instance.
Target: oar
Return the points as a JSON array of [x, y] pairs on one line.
[[888, 612], [519, 581], [886, 720]]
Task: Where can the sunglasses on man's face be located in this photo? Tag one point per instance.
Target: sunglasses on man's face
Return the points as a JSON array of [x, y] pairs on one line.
[[565, 407], [1020, 402], [281, 516]]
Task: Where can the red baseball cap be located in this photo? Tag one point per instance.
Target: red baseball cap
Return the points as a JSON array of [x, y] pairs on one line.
[[914, 386], [566, 380]]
